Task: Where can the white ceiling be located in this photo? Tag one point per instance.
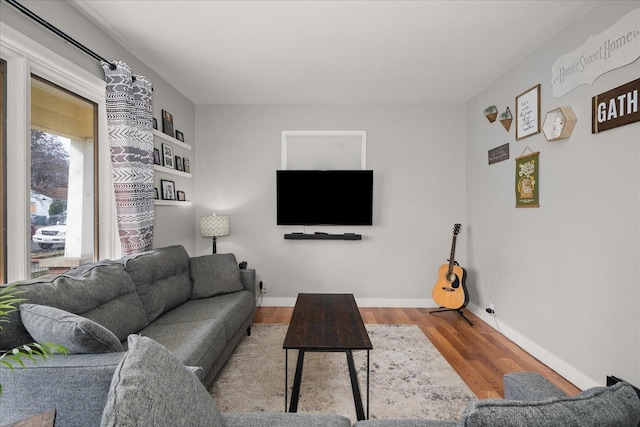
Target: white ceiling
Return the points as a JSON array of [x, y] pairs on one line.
[[331, 52]]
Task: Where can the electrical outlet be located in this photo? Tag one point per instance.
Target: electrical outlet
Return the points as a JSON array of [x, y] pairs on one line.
[[264, 288], [490, 309], [491, 306]]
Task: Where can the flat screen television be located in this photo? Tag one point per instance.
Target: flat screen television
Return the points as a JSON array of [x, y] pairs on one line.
[[324, 197]]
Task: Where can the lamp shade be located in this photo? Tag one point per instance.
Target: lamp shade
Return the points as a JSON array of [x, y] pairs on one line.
[[215, 225]]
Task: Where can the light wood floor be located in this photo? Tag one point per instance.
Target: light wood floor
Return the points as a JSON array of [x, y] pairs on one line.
[[480, 354]]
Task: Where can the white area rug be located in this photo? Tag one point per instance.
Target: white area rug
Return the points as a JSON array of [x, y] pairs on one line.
[[409, 377]]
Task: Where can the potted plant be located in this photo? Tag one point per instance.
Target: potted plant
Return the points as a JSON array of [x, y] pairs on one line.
[[491, 113], [8, 304], [506, 118]]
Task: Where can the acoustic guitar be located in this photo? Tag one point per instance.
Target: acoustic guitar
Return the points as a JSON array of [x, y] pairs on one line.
[[450, 290]]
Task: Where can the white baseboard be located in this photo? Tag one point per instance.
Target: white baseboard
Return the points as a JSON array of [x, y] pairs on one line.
[[563, 368], [362, 302], [570, 373]]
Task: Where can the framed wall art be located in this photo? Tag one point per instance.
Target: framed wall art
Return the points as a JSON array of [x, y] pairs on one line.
[[156, 157], [168, 189], [167, 123], [528, 113], [181, 196], [167, 156], [527, 180]]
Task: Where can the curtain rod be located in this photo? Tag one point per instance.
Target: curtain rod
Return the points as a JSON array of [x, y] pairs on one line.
[[59, 33]]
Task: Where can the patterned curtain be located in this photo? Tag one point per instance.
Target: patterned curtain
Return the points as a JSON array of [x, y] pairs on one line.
[[129, 120]]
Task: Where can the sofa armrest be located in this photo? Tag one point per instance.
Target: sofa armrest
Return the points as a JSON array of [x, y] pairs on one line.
[[75, 385], [248, 279], [529, 387], [288, 419]]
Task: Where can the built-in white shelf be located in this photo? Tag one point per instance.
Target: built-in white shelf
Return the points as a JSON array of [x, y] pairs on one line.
[[160, 168], [172, 202], [171, 139]]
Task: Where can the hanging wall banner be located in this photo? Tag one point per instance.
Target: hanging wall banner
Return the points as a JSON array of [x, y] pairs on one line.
[[527, 181], [616, 107], [616, 47]]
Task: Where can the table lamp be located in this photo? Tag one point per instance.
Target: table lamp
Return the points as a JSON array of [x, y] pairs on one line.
[[214, 226]]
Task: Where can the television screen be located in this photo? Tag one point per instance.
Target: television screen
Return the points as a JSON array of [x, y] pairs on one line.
[[324, 197]]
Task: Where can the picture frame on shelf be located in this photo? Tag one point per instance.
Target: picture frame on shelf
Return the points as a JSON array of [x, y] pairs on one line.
[[168, 189], [179, 136], [167, 156], [156, 195], [186, 165], [528, 113], [181, 196], [179, 163], [155, 123], [167, 123], [156, 157]]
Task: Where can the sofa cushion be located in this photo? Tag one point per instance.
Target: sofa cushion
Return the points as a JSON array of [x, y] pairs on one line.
[[151, 387], [102, 292], [161, 277], [232, 310], [289, 419], [194, 343], [617, 405], [214, 275], [78, 334]]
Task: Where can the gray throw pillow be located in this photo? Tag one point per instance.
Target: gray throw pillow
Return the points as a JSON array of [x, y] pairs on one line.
[[214, 275], [77, 333], [150, 387]]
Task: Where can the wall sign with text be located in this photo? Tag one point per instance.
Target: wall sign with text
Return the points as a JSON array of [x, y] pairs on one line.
[[616, 47], [528, 113], [527, 168], [616, 107]]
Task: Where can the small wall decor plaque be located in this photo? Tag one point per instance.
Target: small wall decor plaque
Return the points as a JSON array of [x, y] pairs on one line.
[[528, 113], [498, 154]]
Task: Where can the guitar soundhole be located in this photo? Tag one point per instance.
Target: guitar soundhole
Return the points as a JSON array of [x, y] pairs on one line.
[[453, 279]]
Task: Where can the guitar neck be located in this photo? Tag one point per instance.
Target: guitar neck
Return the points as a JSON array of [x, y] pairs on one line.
[[453, 253]]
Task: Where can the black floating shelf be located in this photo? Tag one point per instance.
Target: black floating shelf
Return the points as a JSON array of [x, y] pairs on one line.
[[322, 236]]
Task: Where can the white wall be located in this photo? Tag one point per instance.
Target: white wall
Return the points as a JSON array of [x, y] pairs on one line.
[[173, 225], [417, 155], [564, 278]]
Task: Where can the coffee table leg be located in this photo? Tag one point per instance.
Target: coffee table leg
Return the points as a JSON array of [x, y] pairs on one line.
[[368, 371], [297, 379], [357, 399], [286, 377]]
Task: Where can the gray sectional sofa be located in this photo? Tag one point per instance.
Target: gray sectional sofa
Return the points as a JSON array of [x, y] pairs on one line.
[[149, 333], [530, 400], [198, 308]]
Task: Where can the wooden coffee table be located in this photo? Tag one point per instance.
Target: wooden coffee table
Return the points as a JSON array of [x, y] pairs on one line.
[[326, 323]]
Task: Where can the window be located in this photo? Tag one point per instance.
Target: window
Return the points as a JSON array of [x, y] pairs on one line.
[[62, 194], [3, 192], [56, 86]]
